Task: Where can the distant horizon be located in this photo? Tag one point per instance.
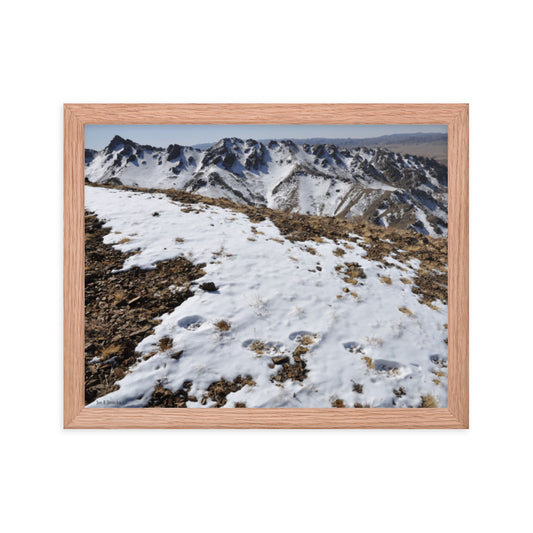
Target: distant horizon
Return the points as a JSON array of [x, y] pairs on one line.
[[98, 136]]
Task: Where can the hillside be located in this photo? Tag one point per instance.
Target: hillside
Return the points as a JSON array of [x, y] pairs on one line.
[[203, 302]]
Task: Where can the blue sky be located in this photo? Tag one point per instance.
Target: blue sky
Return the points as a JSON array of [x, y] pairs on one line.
[[98, 136]]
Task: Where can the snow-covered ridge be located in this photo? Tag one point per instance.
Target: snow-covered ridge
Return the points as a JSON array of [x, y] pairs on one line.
[[311, 324], [375, 184]]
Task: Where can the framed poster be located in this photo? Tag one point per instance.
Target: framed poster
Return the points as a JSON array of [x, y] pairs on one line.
[[266, 266]]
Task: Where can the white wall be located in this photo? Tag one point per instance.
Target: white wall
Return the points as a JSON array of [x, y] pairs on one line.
[[102, 51]]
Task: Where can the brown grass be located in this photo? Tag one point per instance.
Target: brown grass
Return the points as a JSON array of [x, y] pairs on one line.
[[428, 402], [338, 404], [405, 311], [369, 362], [306, 340], [258, 347], [110, 351], [300, 350], [385, 279], [353, 272], [165, 343], [223, 325], [339, 252], [357, 387], [407, 281], [124, 241]]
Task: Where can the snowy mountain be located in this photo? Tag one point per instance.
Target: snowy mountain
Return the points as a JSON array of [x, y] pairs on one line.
[[377, 185], [195, 302]]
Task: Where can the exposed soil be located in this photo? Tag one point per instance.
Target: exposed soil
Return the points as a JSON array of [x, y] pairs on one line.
[[218, 391], [338, 403], [165, 398], [121, 308], [296, 371]]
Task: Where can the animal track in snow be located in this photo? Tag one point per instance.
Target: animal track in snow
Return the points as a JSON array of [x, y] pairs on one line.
[[191, 323]]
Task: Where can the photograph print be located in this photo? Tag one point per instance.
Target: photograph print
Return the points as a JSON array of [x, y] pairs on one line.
[[266, 266]]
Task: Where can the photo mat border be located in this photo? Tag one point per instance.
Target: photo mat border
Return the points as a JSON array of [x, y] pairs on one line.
[[77, 416]]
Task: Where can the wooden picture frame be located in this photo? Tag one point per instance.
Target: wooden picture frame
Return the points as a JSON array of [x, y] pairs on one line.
[[76, 116]]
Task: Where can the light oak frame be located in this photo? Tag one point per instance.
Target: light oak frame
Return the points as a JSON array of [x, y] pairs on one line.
[[76, 116]]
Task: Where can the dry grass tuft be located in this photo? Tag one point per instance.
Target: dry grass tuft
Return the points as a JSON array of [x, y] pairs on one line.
[[428, 402], [338, 404], [300, 350], [306, 340], [223, 325], [385, 279], [353, 272], [405, 311], [339, 252], [124, 241], [179, 239], [357, 387], [407, 281], [369, 362], [110, 351], [258, 347], [165, 343]]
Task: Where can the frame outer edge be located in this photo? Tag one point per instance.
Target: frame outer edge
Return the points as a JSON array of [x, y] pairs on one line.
[[75, 415], [73, 265], [459, 267]]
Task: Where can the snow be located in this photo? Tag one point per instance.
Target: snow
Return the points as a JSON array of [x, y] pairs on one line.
[[270, 290], [317, 185]]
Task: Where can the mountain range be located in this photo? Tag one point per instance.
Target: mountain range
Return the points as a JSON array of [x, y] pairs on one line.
[[315, 178]]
